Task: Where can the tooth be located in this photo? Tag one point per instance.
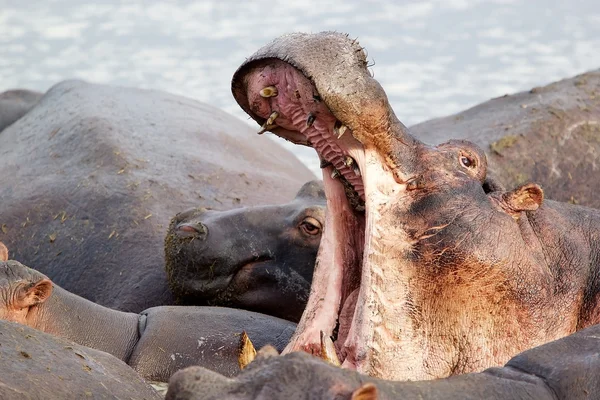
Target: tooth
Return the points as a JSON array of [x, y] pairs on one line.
[[272, 118], [270, 123], [247, 351], [269, 91], [356, 170], [348, 161], [339, 129], [368, 391], [328, 352], [265, 128], [310, 120], [335, 173]]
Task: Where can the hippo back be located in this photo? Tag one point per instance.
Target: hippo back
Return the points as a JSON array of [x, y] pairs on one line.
[[36, 365], [92, 175]]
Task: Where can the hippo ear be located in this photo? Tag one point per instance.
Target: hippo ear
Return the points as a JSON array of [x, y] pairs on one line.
[[34, 293], [312, 190], [3, 252], [524, 198]]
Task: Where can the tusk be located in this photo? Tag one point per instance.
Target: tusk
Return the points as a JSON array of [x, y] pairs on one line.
[[328, 352], [247, 351]]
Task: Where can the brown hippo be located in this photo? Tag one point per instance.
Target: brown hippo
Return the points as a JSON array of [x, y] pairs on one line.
[[566, 369], [16, 103], [92, 175], [258, 258], [36, 365], [426, 268], [156, 343]]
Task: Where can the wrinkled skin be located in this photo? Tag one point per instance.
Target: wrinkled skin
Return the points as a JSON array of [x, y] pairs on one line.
[[36, 365], [548, 135], [445, 272], [16, 103], [92, 175], [156, 343], [565, 369], [259, 258]]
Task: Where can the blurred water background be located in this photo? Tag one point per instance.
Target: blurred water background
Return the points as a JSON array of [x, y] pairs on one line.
[[433, 57]]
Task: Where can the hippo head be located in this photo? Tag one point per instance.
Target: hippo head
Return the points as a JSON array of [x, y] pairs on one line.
[[257, 258], [21, 288], [424, 269]]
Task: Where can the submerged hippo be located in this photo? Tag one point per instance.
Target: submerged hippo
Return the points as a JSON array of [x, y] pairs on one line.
[[426, 267], [92, 175], [566, 369], [259, 258], [156, 343], [16, 103], [36, 365]]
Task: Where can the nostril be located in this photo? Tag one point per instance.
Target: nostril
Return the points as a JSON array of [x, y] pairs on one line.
[[197, 229]]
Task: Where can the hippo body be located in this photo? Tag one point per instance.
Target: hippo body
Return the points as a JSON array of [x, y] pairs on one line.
[[565, 369], [36, 365], [549, 135], [92, 175], [16, 103], [257, 258], [156, 343], [427, 266]]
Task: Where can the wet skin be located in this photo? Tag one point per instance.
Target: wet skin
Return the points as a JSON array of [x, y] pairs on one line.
[[427, 267], [156, 343], [257, 258]]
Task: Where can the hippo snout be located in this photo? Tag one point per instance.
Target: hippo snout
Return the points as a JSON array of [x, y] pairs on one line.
[[196, 230]]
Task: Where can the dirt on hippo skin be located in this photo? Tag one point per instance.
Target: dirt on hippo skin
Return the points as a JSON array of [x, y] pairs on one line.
[[549, 135]]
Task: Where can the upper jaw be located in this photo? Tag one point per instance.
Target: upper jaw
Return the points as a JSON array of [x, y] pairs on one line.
[[336, 68]]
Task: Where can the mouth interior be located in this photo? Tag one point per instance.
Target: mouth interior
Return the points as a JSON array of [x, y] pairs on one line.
[[297, 109]]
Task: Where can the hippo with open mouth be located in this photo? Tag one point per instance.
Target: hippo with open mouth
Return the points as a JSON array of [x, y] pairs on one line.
[[426, 268]]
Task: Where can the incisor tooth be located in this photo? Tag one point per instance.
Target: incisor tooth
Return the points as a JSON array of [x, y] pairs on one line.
[[269, 91], [272, 118], [335, 173], [269, 124]]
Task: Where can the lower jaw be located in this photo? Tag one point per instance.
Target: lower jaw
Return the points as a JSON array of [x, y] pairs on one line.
[[336, 275]]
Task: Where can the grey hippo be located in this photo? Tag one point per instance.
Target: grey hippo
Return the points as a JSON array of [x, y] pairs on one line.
[[566, 369], [37, 365], [156, 342], [92, 175], [257, 258], [427, 267]]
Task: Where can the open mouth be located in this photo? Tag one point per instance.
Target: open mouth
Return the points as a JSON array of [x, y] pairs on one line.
[[358, 182]]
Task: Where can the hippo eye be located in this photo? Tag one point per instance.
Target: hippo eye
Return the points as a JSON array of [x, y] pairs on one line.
[[310, 226], [467, 161]]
